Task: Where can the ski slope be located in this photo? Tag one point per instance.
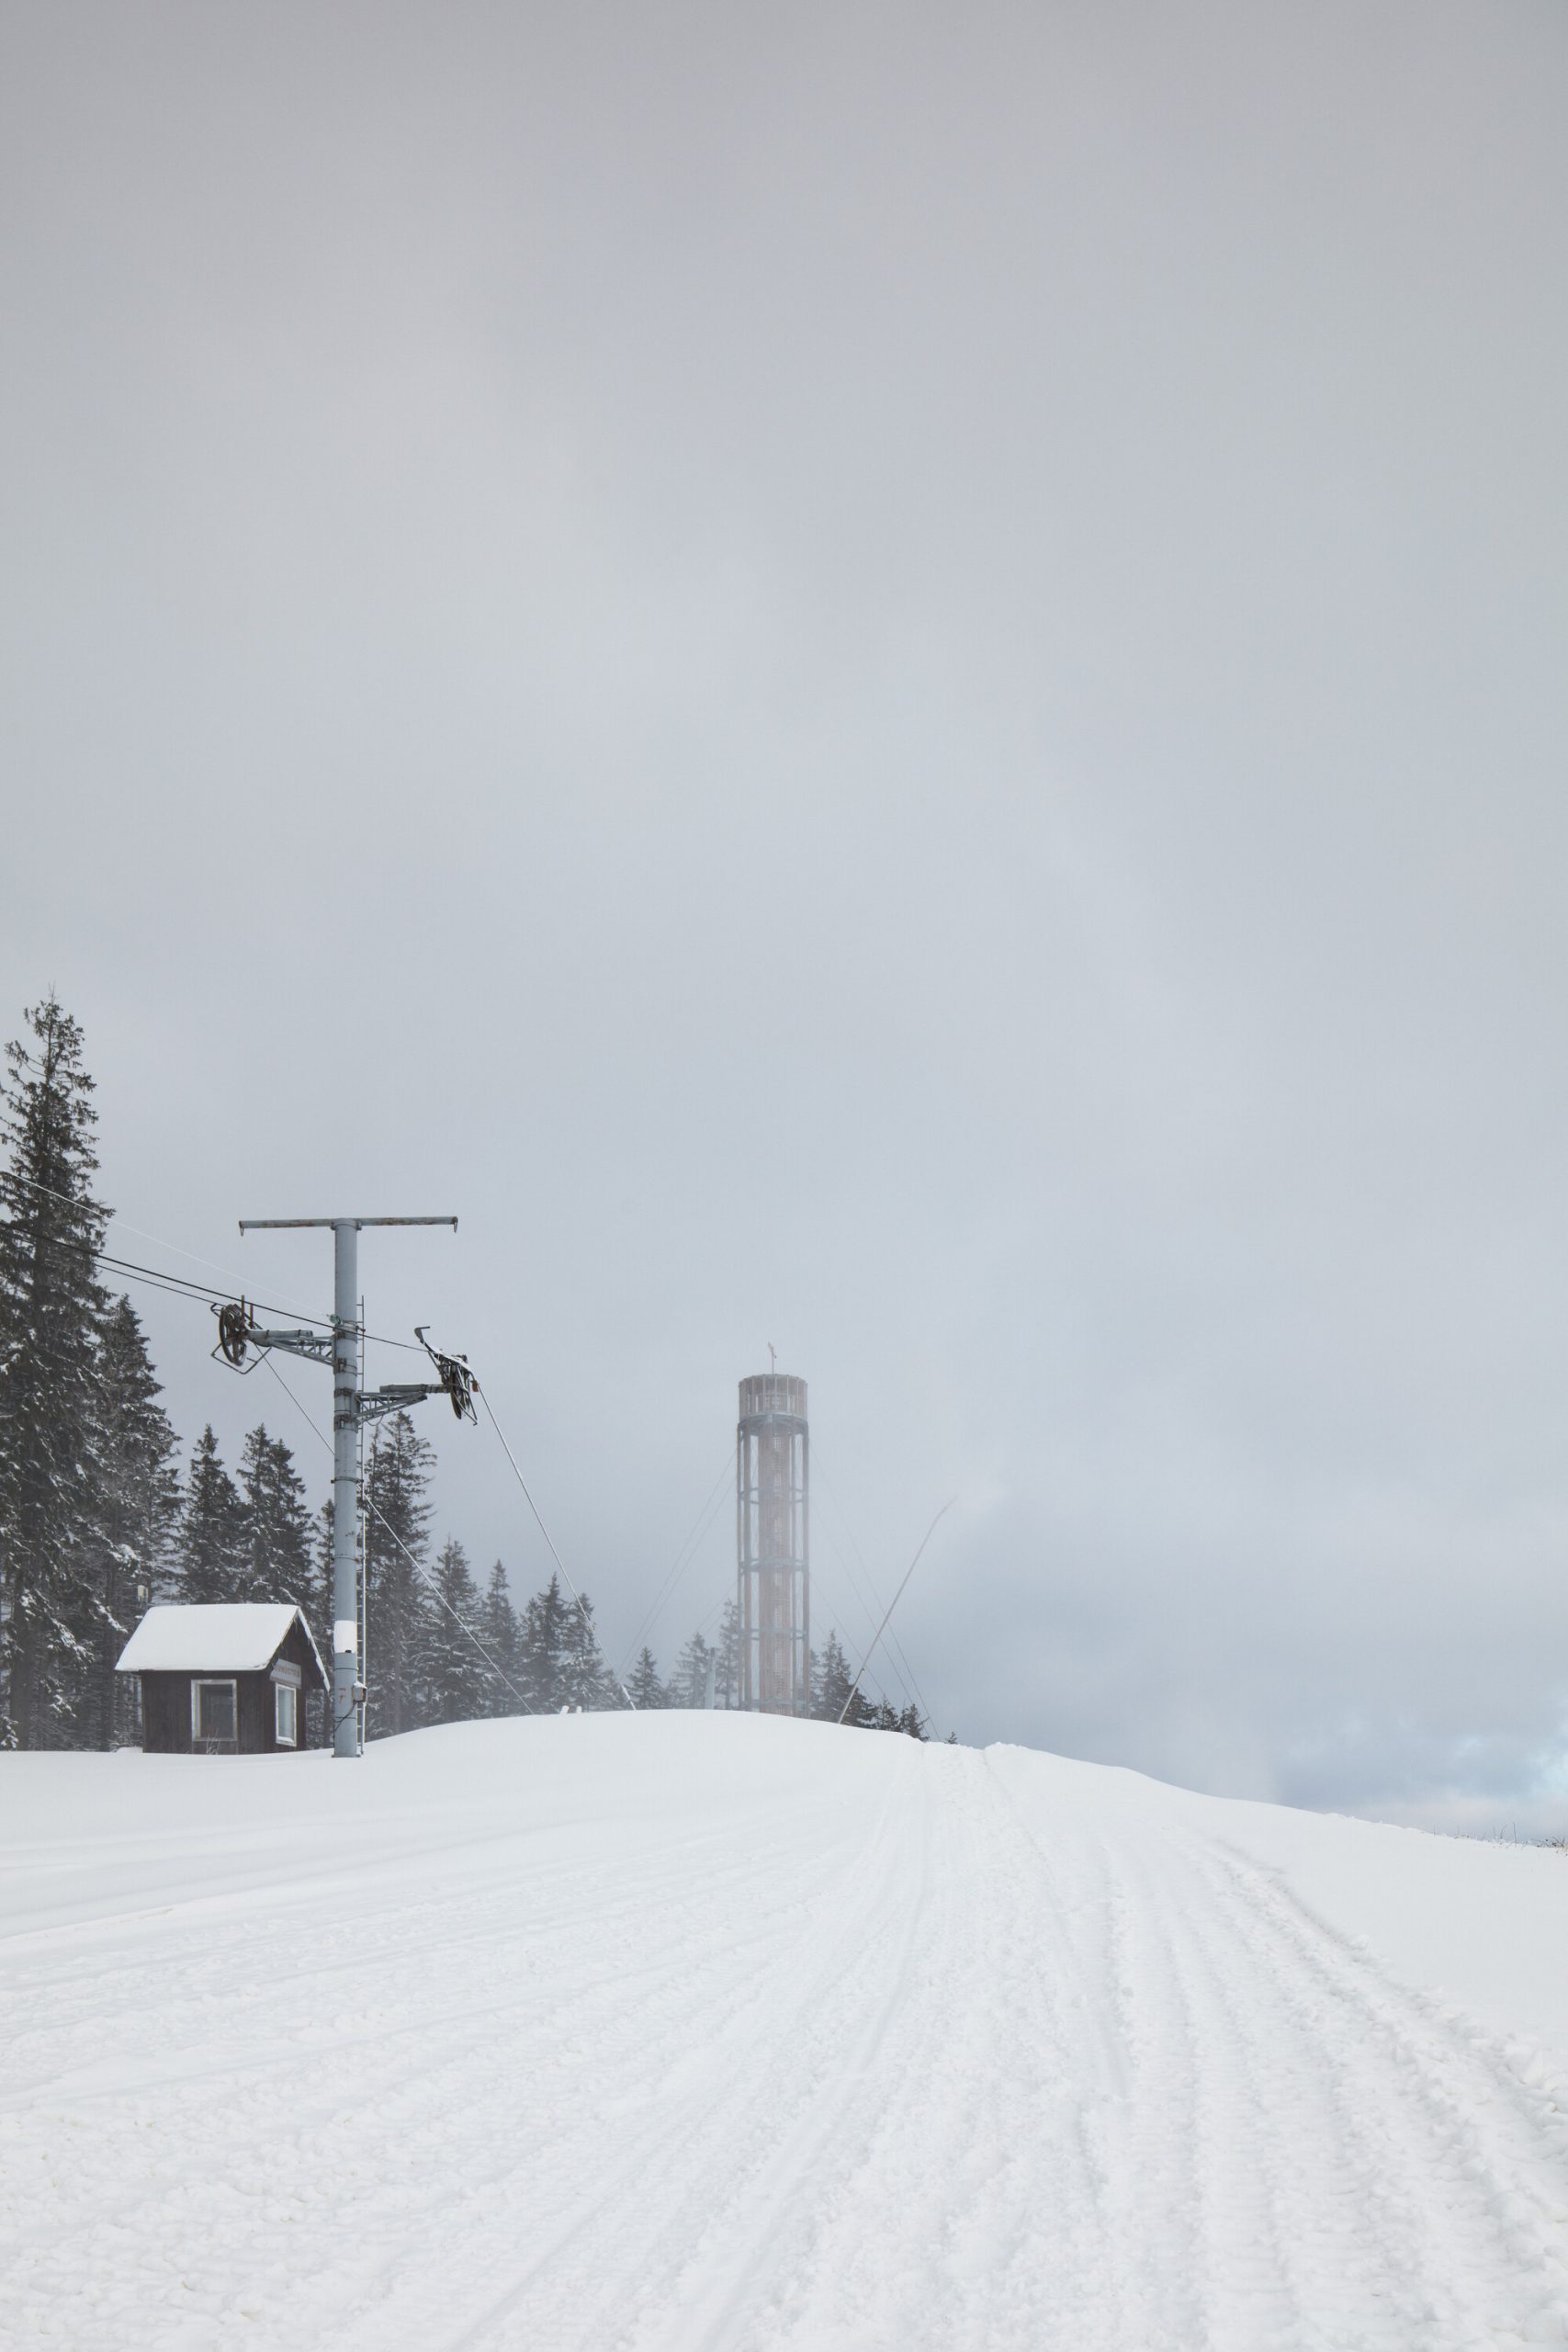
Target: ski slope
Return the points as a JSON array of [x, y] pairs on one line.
[[696, 2031]]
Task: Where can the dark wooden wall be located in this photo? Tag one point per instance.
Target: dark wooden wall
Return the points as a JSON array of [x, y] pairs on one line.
[[166, 1713], [165, 1704], [256, 1716]]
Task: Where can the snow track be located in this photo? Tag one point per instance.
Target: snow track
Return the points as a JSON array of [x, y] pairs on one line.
[[696, 2033]]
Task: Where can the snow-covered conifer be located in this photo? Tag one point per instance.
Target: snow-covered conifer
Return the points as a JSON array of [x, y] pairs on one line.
[[688, 1685], [727, 1670], [543, 1648], [397, 1529], [645, 1686], [498, 1633], [319, 1614], [139, 1504], [210, 1561], [51, 1312], [588, 1681], [453, 1676], [831, 1682], [276, 1522]]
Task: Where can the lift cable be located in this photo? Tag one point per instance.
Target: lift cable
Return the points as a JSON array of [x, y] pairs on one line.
[[582, 1607], [896, 1599], [159, 1277], [896, 1650], [850, 1586], [418, 1565], [904, 1670], [181, 1286], [158, 1240], [682, 1562]]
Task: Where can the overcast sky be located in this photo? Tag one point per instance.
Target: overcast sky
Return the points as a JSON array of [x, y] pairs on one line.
[[889, 679]]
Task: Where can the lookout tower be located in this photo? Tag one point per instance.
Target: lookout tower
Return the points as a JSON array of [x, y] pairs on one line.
[[773, 1462]]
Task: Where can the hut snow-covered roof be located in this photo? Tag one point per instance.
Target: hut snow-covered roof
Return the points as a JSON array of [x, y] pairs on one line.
[[224, 1636]]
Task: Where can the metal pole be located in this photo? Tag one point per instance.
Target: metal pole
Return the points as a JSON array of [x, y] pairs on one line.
[[345, 1486], [349, 1407]]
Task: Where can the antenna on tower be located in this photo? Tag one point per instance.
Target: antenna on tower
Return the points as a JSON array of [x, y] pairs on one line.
[[772, 1357]]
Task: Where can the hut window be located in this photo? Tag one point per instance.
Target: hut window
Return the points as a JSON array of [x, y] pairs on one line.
[[286, 1703], [214, 1713]]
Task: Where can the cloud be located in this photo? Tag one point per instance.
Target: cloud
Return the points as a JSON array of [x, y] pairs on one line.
[[892, 686]]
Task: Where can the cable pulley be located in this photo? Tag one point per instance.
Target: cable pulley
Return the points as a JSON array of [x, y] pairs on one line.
[[235, 1323]]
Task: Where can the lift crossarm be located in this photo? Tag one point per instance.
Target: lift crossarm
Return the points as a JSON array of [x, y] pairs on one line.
[[317, 1345], [374, 1402]]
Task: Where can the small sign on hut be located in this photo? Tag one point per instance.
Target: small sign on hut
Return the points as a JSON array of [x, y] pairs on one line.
[[226, 1678]]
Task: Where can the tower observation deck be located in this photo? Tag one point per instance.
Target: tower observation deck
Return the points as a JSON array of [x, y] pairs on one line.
[[772, 1463]]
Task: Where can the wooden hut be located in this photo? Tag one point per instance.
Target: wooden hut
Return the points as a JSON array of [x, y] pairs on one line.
[[230, 1679]]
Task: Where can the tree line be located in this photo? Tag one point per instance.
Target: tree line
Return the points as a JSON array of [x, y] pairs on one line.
[[97, 1524], [705, 1665]]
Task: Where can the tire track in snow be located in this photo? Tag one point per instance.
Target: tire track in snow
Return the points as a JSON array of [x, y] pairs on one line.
[[660, 2194], [779, 2200], [1461, 2163], [561, 2118], [1110, 1946], [1313, 2158], [379, 2123], [945, 2054], [910, 2213]]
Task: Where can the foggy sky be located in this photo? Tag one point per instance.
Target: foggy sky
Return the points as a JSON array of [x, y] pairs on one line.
[[884, 679]]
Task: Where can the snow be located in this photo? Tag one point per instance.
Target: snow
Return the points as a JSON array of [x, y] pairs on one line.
[[228, 1636], [707, 2031]]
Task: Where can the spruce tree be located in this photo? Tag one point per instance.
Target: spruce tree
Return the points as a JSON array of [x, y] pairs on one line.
[[211, 1559], [645, 1685], [688, 1686], [727, 1671], [139, 1502], [397, 1529], [317, 1602], [319, 1611], [588, 1681], [454, 1678], [831, 1685], [52, 1611], [543, 1650], [830, 1681], [498, 1633], [276, 1522]]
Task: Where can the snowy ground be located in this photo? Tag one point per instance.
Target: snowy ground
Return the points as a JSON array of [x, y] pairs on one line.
[[705, 2031]]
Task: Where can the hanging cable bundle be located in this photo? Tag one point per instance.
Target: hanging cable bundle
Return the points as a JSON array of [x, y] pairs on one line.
[[456, 1377]]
